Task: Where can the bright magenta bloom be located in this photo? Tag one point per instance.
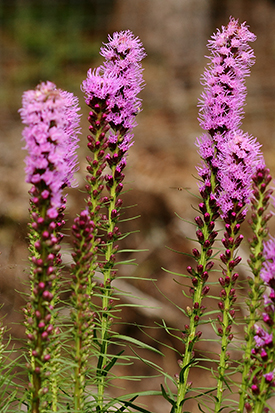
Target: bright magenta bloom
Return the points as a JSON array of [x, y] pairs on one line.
[[238, 161], [221, 104], [229, 154], [52, 126], [117, 83]]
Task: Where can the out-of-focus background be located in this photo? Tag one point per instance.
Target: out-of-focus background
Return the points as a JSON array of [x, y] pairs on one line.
[[59, 40]]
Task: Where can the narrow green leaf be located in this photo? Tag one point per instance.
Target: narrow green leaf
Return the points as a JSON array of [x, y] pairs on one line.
[[200, 408], [138, 343], [165, 395], [181, 376], [122, 408], [111, 363], [132, 250]]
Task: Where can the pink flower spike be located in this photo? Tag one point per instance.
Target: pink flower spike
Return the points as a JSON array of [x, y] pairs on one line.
[[50, 135]]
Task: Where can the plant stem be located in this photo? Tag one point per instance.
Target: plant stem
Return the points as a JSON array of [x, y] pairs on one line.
[[258, 224], [188, 356], [105, 315], [206, 236]]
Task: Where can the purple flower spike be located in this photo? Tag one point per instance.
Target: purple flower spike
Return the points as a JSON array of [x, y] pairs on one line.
[[99, 86], [231, 56], [51, 141], [238, 161], [123, 55]]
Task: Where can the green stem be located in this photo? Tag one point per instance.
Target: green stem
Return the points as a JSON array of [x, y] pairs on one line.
[[196, 312], [37, 361], [186, 362], [223, 356], [105, 315], [258, 225], [226, 327], [78, 371]]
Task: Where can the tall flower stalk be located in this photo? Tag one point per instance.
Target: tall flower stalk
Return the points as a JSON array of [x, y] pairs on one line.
[[50, 135], [111, 93], [240, 158], [232, 156], [259, 219], [262, 368], [226, 176]]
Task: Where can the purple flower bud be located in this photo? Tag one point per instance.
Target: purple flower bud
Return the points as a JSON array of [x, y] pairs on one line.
[[199, 222], [190, 270], [196, 253], [119, 188], [44, 335], [221, 281], [205, 290], [195, 281], [37, 314], [202, 207], [41, 285], [264, 355], [248, 407], [223, 258], [211, 226], [255, 389], [223, 293], [209, 265], [199, 269], [198, 334], [204, 276]]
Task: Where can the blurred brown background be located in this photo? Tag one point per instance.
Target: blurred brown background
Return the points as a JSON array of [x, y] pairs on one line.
[[59, 41]]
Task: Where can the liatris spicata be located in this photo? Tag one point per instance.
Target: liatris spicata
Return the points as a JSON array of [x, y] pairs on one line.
[[50, 135], [111, 93], [229, 158], [262, 372], [258, 221], [240, 156]]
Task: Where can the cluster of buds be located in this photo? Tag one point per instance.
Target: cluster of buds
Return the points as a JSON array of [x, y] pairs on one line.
[[83, 232], [231, 241], [258, 222], [82, 314], [97, 144], [262, 374], [206, 236], [259, 216], [262, 259], [41, 332]]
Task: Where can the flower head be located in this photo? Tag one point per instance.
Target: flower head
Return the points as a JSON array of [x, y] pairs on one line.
[[122, 50], [224, 94], [115, 85], [99, 86], [52, 126], [237, 162]]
